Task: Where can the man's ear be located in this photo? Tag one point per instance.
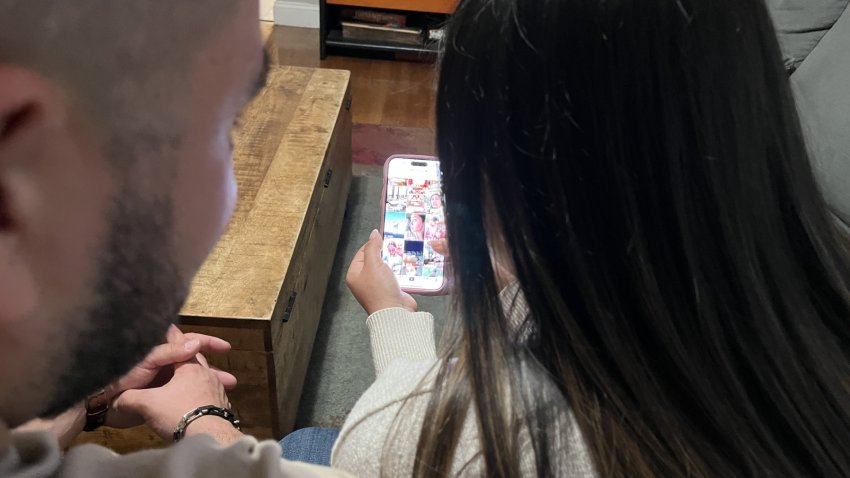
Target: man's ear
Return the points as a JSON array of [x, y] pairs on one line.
[[25, 113], [24, 95]]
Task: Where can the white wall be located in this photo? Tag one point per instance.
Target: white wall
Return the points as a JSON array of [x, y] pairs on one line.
[[267, 10], [297, 13]]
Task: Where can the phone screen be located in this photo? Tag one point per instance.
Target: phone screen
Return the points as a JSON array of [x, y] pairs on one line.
[[414, 218]]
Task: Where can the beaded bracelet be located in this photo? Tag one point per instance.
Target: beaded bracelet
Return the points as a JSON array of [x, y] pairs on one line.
[[199, 412]]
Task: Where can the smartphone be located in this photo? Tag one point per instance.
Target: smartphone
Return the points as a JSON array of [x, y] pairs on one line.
[[413, 218]]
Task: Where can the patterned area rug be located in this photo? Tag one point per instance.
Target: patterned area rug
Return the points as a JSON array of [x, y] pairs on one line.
[[372, 144], [341, 364]]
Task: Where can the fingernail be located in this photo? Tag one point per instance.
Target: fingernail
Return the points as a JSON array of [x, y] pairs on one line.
[[375, 234], [191, 345]]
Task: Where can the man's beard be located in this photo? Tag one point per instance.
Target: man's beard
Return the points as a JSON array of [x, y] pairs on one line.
[[138, 295]]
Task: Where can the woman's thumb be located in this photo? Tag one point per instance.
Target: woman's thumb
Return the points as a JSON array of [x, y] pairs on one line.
[[372, 251]]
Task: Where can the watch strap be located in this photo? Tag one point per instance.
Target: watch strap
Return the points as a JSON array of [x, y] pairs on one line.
[[97, 405]]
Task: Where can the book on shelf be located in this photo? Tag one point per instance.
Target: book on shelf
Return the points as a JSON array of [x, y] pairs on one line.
[[437, 34], [393, 20], [369, 32]]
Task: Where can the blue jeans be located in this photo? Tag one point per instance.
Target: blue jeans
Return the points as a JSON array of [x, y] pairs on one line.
[[310, 445]]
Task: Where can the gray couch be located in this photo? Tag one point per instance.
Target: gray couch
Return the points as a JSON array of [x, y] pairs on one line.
[[815, 39]]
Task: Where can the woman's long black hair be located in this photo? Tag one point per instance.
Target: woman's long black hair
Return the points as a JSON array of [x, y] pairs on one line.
[[644, 166]]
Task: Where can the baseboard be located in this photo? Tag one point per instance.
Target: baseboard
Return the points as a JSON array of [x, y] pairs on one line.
[[296, 14]]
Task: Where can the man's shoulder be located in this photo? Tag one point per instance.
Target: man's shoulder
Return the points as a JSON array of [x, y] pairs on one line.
[[31, 454]]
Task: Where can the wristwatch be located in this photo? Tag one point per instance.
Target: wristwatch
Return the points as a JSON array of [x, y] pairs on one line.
[[97, 405]]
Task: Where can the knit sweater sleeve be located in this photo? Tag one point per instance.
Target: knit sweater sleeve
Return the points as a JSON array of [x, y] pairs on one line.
[[398, 333], [380, 435], [404, 353]]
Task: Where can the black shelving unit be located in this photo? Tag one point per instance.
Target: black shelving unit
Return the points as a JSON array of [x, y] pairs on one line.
[[332, 41]]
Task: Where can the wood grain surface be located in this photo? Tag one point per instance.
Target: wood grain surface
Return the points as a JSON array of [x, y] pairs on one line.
[[279, 152], [293, 340], [385, 92]]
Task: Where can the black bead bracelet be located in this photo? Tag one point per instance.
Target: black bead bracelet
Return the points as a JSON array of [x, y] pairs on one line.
[[199, 412]]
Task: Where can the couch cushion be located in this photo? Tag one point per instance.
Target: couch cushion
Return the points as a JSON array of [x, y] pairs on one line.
[[822, 87], [801, 24]]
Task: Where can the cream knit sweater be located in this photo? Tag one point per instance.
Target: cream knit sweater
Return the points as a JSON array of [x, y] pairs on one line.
[[404, 353]]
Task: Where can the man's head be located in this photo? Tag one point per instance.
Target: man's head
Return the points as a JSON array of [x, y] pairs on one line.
[[115, 179]]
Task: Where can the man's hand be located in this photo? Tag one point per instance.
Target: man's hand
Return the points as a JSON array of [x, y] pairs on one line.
[[372, 282], [158, 366], [194, 384]]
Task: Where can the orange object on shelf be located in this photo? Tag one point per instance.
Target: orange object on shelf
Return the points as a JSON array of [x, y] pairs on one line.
[[429, 6]]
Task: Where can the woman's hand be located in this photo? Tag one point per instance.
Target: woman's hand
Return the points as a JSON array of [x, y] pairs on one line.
[[441, 247], [372, 282], [158, 367], [504, 276]]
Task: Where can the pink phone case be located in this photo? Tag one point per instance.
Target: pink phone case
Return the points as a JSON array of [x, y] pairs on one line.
[[446, 276]]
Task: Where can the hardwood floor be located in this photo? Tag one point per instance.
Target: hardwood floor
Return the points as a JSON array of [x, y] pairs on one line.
[[391, 93]]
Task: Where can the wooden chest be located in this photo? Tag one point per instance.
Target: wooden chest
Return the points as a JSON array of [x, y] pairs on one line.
[[263, 286]]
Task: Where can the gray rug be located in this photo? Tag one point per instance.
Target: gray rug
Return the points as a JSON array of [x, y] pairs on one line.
[[341, 365]]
